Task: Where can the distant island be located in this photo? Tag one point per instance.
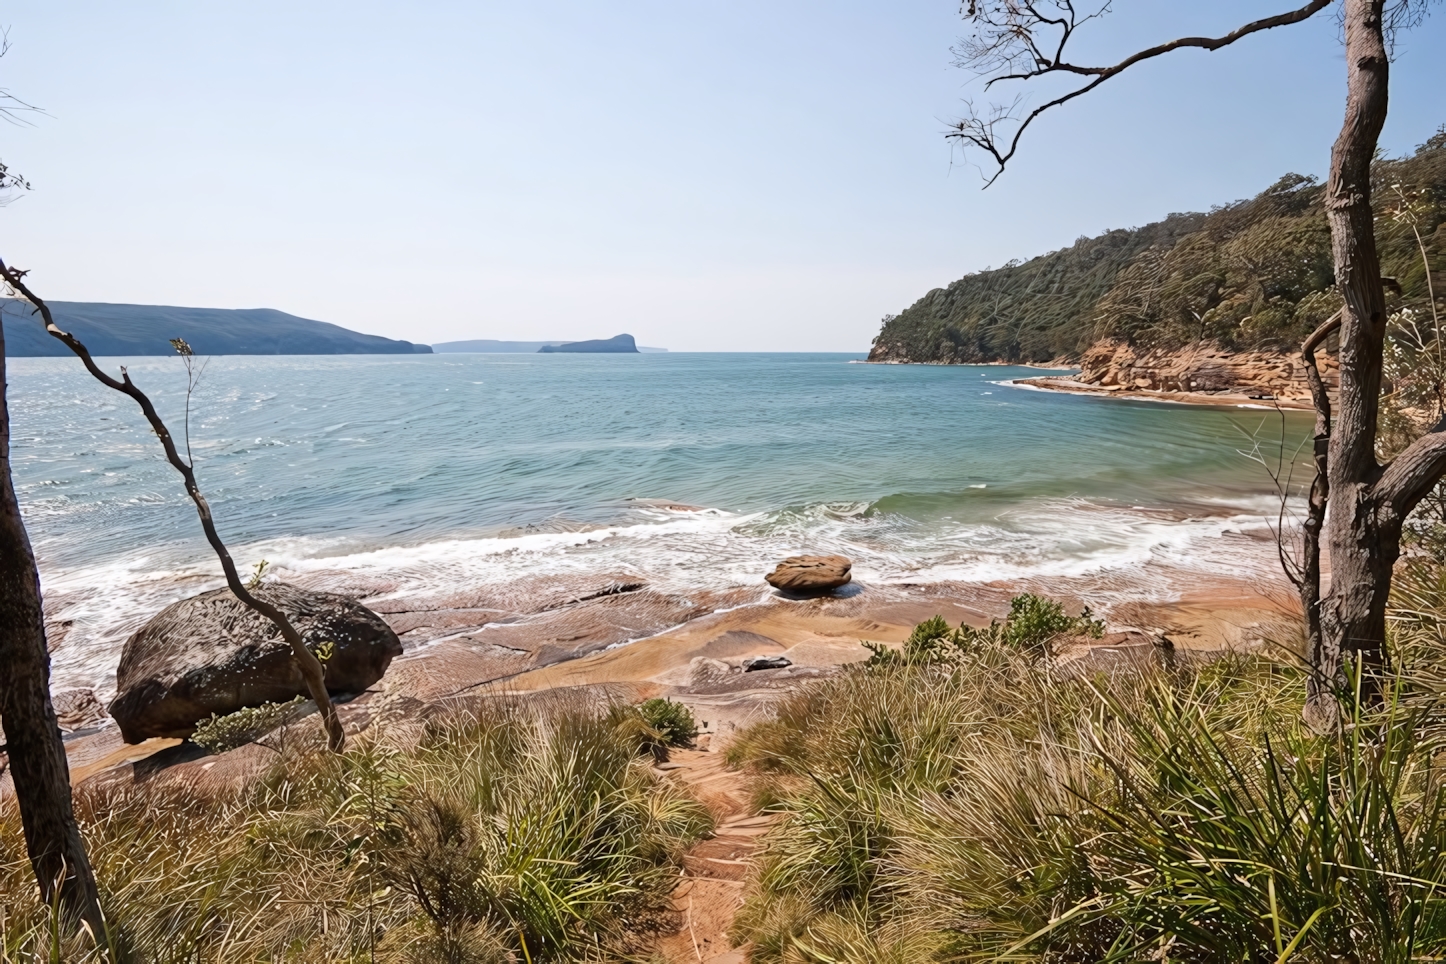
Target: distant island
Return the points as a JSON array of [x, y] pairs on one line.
[[110, 329], [490, 345], [617, 344]]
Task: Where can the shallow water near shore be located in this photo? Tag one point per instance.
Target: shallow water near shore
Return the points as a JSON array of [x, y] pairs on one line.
[[439, 473]]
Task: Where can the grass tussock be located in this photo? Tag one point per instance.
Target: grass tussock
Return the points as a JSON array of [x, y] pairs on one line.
[[989, 807], [514, 833]]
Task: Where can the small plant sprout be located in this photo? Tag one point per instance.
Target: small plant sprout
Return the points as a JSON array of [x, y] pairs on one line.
[[257, 574]]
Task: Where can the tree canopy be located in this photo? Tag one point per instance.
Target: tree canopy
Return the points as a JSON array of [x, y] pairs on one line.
[[1253, 274]]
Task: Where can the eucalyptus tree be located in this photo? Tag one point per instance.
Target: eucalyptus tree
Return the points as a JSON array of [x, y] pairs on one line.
[[34, 752], [1023, 41]]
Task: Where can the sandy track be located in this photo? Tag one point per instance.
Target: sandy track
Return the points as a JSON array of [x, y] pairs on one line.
[[710, 889]]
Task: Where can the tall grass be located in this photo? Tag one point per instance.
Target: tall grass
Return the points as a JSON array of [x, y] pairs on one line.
[[516, 832], [985, 808]]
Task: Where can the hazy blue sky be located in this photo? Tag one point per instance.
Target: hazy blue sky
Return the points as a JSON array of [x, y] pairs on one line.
[[706, 175]]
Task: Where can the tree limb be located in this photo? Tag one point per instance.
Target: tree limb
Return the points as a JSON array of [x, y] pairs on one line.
[[311, 668], [1007, 38], [1412, 475], [1322, 654]]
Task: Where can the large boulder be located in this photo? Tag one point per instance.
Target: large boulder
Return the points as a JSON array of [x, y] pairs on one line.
[[210, 654], [809, 575]]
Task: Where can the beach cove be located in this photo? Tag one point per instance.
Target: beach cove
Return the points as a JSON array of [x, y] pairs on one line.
[[564, 532], [506, 514]]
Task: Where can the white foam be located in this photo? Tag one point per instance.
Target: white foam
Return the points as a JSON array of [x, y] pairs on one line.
[[684, 551]]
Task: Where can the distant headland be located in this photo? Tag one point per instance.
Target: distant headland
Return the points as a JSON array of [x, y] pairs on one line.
[[617, 344], [148, 329], [491, 345]]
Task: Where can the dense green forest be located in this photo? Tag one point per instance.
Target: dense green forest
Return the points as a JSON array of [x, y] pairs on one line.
[[1254, 274]]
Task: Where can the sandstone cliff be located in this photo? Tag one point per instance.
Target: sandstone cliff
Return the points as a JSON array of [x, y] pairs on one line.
[[1203, 368]]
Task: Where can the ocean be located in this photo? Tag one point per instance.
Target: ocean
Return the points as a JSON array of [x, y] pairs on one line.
[[443, 472]]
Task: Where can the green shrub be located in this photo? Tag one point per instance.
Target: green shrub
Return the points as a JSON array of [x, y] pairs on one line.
[[674, 722], [548, 829], [1164, 813], [1324, 850], [1033, 624], [535, 826], [248, 724]]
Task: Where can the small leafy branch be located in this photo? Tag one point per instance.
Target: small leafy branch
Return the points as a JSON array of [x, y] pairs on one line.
[[193, 379], [246, 725], [258, 573]]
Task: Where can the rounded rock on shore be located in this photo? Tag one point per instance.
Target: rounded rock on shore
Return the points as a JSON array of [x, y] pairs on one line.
[[810, 574], [211, 654]]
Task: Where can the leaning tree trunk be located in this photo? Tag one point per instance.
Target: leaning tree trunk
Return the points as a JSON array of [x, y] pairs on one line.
[[32, 737], [1369, 502], [1363, 544]]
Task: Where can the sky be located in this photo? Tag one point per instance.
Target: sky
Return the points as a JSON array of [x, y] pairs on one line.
[[706, 175]]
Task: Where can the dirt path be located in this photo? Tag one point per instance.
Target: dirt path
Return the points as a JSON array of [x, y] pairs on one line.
[[711, 889]]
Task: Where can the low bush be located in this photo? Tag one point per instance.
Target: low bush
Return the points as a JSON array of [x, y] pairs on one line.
[[674, 722], [519, 831], [1032, 626], [248, 724], [981, 807]]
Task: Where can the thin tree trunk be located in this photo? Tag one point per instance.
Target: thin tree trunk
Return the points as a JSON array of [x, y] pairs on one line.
[[311, 669], [1364, 541], [1322, 658], [38, 765]]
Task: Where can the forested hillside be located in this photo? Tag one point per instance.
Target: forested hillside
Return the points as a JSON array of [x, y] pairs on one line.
[[109, 329], [1251, 275]]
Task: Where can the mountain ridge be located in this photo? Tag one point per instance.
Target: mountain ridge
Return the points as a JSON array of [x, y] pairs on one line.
[[124, 329]]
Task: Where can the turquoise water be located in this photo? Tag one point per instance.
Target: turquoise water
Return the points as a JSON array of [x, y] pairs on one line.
[[688, 469]]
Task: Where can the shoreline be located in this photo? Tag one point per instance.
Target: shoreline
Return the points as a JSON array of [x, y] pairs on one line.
[[1069, 386], [982, 364], [462, 650]]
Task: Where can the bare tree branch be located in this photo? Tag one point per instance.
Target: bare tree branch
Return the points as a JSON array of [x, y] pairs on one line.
[[311, 668], [1411, 476], [1024, 39]]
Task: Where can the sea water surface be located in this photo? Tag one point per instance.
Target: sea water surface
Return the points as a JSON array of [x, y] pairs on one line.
[[689, 470]]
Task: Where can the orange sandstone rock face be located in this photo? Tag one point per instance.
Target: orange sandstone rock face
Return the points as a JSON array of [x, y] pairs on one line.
[[1203, 368]]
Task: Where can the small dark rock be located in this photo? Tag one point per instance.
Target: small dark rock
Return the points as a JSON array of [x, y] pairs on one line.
[[766, 662]]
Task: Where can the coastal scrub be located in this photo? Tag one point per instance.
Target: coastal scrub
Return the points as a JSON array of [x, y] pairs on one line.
[[510, 831], [983, 808]]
